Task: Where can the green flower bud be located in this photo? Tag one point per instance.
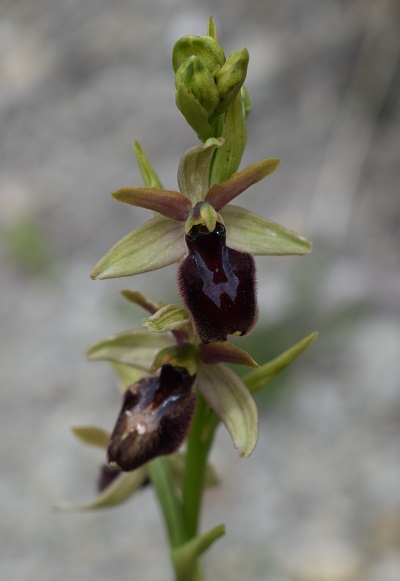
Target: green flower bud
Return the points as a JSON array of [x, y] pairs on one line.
[[230, 78], [204, 47], [194, 74], [196, 95]]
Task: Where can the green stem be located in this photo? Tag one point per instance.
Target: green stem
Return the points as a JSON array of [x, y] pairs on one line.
[[217, 128], [170, 504], [199, 444], [182, 516]]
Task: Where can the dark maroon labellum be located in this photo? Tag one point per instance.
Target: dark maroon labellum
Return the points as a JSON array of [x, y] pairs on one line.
[[154, 419], [217, 285]]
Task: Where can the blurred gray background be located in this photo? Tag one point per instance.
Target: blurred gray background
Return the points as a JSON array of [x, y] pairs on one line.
[[319, 500]]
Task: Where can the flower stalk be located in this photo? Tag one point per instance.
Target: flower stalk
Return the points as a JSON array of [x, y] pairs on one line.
[[175, 376]]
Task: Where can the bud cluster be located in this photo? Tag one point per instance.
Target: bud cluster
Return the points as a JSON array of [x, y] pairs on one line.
[[206, 82]]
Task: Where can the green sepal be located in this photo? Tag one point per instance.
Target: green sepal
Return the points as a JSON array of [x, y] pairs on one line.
[[230, 399], [184, 355], [150, 178], [92, 435], [185, 556], [225, 353], [136, 348], [120, 490], [227, 159], [258, 378], [229, 79], [168, 318], [194, 167], [139, 299], [177, 463], [126, 374], [157, 243], [221, 194], [169, 203], [204, 47], [252, 233]]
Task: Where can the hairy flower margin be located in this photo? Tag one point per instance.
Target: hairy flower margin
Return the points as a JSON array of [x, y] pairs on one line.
[[174, 376]]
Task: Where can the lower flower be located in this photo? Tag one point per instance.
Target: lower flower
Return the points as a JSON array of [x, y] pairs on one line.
[[154, 419]]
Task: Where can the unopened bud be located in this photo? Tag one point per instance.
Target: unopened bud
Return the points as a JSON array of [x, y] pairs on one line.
[[204, 47], [230, 78], [197, 79]]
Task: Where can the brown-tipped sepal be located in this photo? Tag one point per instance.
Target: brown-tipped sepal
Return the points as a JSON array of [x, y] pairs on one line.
[[154, 419], [217, 285]]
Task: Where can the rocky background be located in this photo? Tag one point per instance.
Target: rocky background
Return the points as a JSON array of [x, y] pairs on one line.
[[319, 500]]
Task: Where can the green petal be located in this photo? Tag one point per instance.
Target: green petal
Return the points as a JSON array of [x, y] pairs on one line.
[[168, 203], [230, 399], [194, 169], [225, 353], [168, 318], [117, 492], [127, 374], [150, 178], [185, 556], [252, 233], [136, 348], [92, 436], [157, 243], [260, 377], [221, 194]]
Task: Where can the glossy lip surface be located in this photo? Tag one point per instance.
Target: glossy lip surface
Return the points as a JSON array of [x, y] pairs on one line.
[[154, 419], [217, 285]]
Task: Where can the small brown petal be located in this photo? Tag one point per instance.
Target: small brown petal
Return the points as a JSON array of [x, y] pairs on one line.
[[171, 204], [154, 419]]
